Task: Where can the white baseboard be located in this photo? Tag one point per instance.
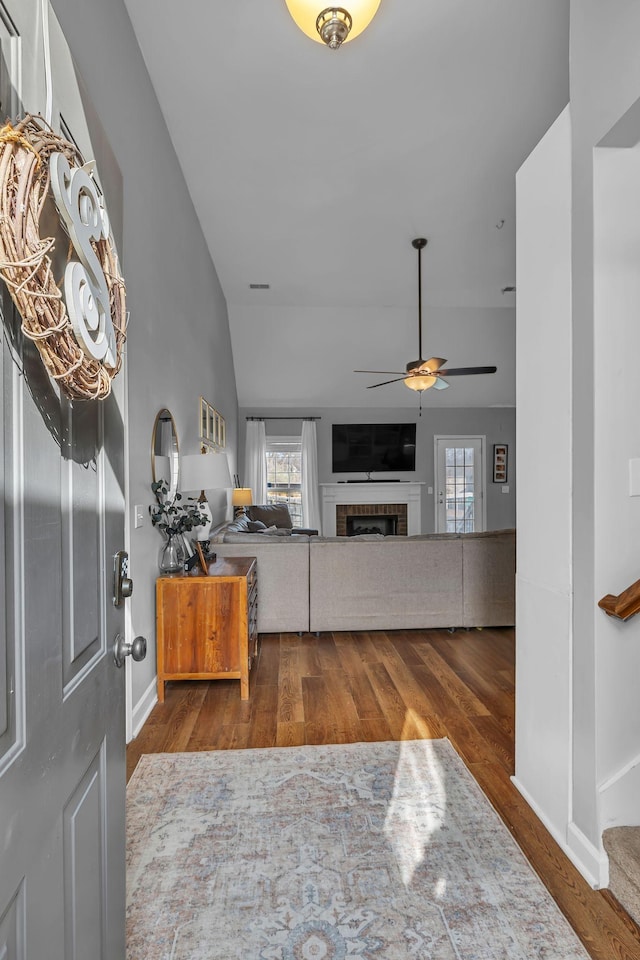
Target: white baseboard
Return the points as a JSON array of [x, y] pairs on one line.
[[596, 861], [143, 707], [592, 863]]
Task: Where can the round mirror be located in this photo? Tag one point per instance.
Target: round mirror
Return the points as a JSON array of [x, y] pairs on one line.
[[165, 459]]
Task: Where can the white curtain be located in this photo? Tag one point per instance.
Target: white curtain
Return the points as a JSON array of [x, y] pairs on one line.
[[310, 492], [255, 460]]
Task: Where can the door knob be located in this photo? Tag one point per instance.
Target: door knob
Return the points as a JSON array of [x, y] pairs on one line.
[[126, 587], [122, 649]]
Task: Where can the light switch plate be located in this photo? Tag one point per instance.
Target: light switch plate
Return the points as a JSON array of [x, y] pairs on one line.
[[505, 489], [138, 515], [634, 477]]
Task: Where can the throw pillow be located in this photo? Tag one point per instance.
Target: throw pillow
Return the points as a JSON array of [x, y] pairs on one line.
[[256, 526], [276, 532], [239, 525], [271, 513]]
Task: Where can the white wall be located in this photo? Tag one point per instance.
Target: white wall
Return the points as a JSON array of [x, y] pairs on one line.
[[605, 84], [178, 339], [497, 424], [617, 439], [578, 714], [543, 403]]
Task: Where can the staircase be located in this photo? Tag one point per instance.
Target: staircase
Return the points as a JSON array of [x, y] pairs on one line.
[[623, 848]]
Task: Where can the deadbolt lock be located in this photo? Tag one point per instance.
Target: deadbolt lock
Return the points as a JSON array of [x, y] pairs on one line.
[[122, 584]]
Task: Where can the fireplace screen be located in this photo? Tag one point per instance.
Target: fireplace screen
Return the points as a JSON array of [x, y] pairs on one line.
[[356, 519], [386, 524]]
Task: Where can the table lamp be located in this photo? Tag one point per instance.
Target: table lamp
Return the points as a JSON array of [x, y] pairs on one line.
[[201, 472], [242, 497]]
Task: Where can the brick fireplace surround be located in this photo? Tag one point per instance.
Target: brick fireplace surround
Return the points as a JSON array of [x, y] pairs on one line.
[[344, 510], [371, 498]]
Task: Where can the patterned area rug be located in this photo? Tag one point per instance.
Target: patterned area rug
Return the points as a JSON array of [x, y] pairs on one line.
[[367, 851]]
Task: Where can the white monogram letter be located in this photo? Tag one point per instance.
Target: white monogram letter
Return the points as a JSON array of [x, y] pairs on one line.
[[85, 285]]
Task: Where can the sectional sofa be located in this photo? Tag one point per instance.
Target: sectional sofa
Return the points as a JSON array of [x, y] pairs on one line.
[[373, 582]]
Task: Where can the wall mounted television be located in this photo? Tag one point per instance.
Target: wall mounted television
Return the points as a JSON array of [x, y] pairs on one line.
[[373, 447]]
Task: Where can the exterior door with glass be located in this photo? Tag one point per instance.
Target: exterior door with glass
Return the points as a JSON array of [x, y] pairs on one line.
[[459, 484]]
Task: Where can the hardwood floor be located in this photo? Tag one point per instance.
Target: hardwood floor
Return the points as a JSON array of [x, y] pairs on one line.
[[347, 687]]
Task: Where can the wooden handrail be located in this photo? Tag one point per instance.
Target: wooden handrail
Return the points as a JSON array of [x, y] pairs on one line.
[[625, 605]]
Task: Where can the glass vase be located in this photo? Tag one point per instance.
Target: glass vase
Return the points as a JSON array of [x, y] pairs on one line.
[[171, 555]]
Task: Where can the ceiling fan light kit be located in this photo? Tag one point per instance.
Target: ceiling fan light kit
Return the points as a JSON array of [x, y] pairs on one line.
[[422, 374], [332, 26], [420, 383]]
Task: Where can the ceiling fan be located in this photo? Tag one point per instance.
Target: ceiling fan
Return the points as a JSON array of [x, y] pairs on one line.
[[422, 374]]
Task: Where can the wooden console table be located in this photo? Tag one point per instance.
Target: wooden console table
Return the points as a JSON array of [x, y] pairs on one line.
[[207, 626]]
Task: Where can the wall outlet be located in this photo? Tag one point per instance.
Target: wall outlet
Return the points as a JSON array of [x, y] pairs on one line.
[[138, 515]]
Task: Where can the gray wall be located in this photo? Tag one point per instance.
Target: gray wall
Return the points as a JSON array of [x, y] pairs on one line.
[[498, 425], [178, 339]]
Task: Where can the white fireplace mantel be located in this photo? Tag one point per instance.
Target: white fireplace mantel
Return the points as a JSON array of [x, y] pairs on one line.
[[371, 491]]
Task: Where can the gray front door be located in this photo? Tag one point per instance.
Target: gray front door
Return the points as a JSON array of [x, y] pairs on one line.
[[62, 714]]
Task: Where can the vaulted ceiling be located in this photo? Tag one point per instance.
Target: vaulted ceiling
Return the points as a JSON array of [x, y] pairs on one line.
[[311, 170]]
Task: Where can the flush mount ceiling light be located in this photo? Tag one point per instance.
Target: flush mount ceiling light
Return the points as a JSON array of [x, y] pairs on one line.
[[332, 25]]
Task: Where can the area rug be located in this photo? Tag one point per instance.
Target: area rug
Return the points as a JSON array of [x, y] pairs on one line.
[[366, 851]]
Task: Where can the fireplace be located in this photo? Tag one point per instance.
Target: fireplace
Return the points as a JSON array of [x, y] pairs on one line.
[[359, 518], [371, 498], [386, 524]]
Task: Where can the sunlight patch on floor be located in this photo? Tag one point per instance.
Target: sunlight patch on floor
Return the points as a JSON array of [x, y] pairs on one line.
[[407, 829]]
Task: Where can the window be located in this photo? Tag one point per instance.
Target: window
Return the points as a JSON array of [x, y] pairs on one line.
[[284, 474]]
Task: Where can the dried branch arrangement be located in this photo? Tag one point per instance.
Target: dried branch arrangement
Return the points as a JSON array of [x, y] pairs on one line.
[[26, 261]]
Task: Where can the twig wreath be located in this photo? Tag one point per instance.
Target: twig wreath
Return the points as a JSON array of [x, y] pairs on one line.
[[26, 262]]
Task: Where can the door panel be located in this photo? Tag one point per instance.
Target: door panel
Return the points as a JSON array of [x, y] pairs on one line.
[[62, 742], [85, 862], [12, 939], [82, 538]]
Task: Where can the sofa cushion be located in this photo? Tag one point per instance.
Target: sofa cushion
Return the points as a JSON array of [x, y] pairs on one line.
[[390, 583], [271, 513], [283, 578], [489, 578]]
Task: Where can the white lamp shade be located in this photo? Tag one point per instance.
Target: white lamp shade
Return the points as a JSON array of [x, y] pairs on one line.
[[204, 471]]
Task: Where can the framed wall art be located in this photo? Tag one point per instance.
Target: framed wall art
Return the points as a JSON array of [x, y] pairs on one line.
[[500, 458], [212, 426]]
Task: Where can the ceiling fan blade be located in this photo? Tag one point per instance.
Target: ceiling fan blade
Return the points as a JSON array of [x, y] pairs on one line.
[[440, 384], [466, 371], [397, 380], [398, 372], [434, 363]]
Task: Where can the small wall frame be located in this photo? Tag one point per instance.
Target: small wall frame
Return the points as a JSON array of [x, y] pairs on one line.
[[212, 426], [500, 461]]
